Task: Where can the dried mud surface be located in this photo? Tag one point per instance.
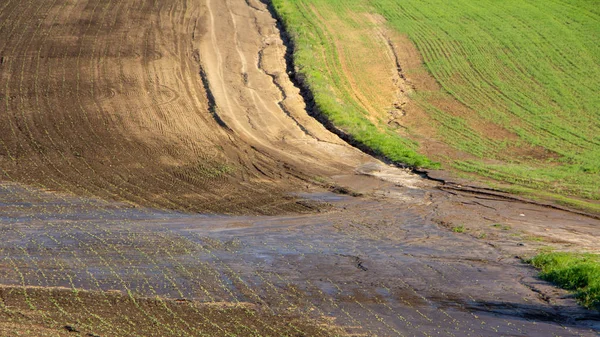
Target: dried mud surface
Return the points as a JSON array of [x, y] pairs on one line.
[[120, 119]]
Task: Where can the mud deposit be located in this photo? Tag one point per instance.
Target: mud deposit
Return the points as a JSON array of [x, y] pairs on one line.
[[374, 265], [123, 124]]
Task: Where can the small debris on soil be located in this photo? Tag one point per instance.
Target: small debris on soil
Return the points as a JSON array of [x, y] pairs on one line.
[[70, 328], [360, 265], [344, 190], [314, 206]]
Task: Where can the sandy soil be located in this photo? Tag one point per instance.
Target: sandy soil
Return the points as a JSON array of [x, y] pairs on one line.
[[120, 121]]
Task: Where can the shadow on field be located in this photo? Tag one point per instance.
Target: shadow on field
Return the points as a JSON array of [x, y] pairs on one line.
[[563, 315]]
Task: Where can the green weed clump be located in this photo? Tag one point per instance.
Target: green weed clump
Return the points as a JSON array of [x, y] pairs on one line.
[[575, 272], [459, 229]]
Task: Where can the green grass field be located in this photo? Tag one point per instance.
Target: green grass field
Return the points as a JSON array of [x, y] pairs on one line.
[[530, 69]]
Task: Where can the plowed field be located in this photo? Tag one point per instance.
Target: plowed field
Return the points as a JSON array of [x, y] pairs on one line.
[[163, 104]]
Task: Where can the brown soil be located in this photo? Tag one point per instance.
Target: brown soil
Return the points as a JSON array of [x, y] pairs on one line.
[[64, 312], [179, 105]]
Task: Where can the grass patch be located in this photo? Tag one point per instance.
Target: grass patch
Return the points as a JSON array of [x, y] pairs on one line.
[[533, 238], [459, 229], [501, 226], [514, 65], [576, 272]]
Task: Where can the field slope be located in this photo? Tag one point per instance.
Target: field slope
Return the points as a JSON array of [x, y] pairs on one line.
[[147, 104], [512, 92]]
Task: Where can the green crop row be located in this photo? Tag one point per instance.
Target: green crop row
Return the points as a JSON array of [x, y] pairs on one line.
[[530, 67]]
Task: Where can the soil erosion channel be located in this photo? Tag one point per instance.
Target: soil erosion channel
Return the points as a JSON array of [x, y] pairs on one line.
[[118, 118]]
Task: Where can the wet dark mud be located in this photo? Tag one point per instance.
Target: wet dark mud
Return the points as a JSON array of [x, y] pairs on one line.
[[384, 264]]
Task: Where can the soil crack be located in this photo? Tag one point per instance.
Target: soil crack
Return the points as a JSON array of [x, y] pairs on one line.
[[284, 95], [358, 262], [212, 104]]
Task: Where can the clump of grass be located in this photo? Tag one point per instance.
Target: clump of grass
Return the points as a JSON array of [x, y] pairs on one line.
[[459, 229], [534, 238], [501, 226], [576, 272]]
